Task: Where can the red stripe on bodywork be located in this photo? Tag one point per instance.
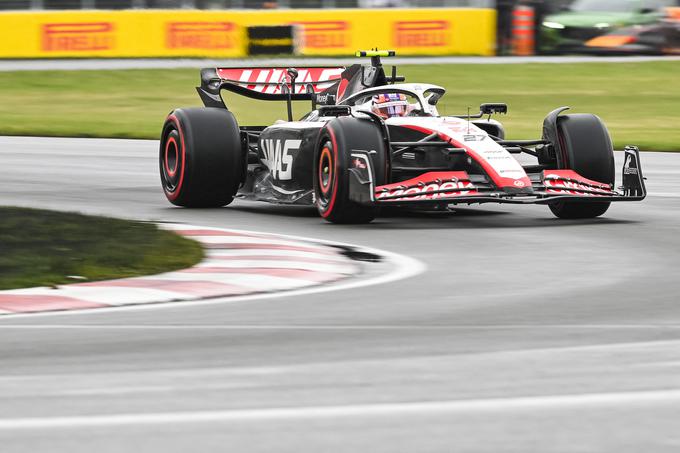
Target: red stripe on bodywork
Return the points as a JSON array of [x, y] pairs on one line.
[[428, 186], [571, 183], [499, 181], [310, 76], [571, 174], [427, 178]]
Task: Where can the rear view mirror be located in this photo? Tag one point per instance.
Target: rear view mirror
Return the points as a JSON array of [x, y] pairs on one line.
[[434, 98], [490, 109]]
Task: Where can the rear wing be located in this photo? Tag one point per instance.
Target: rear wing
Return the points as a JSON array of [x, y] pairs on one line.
[[269, 84], [327, 85]]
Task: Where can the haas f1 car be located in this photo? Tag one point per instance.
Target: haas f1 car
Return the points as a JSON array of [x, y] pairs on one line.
[[371, 141]]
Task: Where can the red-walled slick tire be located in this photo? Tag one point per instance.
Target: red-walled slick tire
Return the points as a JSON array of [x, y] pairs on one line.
[[331, 168], [201, 160]]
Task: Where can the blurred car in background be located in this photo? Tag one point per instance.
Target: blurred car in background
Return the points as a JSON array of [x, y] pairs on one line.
[[660, 38], [569, 30]]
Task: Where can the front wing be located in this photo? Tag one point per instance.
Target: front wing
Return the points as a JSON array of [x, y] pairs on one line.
[[457, 187]]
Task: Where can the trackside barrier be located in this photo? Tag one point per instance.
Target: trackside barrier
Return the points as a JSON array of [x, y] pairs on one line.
[[223, 34], [523, 29]]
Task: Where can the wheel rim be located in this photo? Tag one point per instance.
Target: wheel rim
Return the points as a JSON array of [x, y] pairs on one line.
[[171, 156], [325, 170], [325, 175], [171, 162]]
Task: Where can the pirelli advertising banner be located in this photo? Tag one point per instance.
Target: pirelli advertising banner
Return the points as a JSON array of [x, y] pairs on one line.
[[223, 34]]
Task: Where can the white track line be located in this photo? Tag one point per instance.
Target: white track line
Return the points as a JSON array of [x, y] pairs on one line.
[[428, 408]]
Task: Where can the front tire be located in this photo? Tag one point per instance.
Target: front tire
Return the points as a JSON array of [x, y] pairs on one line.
[[201, 160], [587, 149], [331, 168]]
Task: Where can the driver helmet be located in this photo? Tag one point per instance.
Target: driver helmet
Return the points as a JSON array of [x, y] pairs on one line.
[[389, 105]]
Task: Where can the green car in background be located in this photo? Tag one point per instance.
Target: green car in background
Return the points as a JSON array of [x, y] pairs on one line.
[[568, 30]]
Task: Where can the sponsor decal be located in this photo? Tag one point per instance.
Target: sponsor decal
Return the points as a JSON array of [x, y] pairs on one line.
[[325, 35], [627, 168], [277, 157], [269, 80], [554, 184], [359, 163], [78, 37], [427, 191], [572, 192], [519, 183], [325, 98], [421, 33], [200, 35]]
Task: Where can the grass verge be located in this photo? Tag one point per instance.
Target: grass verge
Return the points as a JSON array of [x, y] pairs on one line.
[[639, 102], [44, 248]]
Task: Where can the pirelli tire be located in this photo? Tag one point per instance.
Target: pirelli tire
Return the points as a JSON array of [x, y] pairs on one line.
[[587, 149], [331, 168], [201, 160]]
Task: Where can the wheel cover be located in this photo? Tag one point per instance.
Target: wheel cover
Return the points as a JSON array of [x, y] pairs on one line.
[[172, 159], [325, 175], [325, 170]]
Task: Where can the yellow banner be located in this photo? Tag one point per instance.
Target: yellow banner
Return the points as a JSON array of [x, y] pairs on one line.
[[222, 34]]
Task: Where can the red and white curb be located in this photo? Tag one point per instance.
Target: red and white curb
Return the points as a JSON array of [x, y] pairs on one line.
[[237, 263]]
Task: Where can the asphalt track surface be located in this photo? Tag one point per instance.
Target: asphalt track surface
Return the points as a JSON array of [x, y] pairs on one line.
[[524, 334], [157, 63]]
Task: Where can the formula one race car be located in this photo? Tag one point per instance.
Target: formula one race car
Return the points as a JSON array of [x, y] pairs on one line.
[[577, 28], [370, 142], [659, 38]]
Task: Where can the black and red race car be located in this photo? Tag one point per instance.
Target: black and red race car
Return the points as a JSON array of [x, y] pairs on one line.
[[370, 141]]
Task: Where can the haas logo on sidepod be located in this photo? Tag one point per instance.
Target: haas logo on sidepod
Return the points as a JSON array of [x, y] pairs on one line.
[[277, 157]]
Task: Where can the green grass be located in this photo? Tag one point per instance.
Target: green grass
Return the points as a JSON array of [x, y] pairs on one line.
[[44, 248], [640, 102]]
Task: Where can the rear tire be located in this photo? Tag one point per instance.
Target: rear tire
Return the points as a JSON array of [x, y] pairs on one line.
[[201, 160], [586, 149], [331, 168]]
